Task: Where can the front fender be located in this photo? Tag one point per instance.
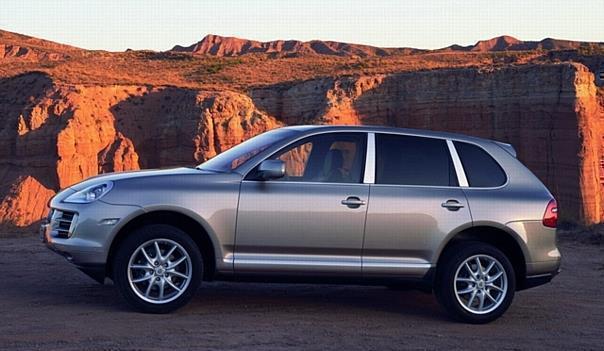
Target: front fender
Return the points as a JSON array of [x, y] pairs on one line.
[[218, 250]]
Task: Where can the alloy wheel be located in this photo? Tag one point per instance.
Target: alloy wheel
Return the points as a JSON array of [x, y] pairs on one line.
[[159, 271], [480, 284]]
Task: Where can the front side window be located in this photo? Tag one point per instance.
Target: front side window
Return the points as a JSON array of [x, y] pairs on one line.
[[412, 160], [325, 158], [481, 169]]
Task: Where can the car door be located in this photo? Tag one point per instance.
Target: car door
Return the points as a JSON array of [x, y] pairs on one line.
[[415, 202], [312, 220]]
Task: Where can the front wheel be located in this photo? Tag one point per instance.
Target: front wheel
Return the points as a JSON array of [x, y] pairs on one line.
[[158, 268], [475, 282]]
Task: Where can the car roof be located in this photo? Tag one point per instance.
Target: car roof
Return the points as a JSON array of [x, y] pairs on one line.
[[382, 129]]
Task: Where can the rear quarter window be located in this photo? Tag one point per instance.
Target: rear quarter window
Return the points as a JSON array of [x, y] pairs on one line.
[[482, 171]]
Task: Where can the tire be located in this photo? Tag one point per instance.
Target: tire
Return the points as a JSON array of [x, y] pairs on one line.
[[140, 278], [461, 292]]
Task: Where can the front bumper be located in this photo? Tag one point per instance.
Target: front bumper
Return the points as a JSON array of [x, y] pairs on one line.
[[89, 240], [73, 255], [95, 271]]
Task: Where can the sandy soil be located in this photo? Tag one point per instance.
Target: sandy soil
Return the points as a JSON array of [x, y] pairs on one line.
[[47, 304]]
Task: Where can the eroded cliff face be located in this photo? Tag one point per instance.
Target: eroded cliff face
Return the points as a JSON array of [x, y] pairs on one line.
[[550, 113], [53, 135]]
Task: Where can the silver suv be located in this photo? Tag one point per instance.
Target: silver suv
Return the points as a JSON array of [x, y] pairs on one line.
[[361, 205]]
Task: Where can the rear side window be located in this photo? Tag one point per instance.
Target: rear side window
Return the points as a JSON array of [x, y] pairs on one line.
[[481, 169], [411, 160]]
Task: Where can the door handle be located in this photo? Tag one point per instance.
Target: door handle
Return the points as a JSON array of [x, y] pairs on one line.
[[452, 205], [353, 202]]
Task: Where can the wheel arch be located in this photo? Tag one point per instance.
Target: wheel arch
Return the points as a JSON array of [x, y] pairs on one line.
[[197, 229], [496, 234]]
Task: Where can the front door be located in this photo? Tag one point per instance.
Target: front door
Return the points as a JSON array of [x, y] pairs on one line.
[[312, 220]]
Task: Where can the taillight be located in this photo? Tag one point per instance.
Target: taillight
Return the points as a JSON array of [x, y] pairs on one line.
[[550, 217]]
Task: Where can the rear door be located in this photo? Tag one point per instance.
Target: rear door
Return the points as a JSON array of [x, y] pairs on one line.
[[311, 221], [415, 202]]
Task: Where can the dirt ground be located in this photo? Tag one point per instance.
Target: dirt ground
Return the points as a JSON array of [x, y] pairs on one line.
[[47, 304]]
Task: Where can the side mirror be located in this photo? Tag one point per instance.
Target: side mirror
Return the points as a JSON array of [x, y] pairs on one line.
[[271, 169]]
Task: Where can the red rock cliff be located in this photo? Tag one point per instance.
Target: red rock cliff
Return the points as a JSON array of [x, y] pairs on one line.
[[550, 113], [54, 134]]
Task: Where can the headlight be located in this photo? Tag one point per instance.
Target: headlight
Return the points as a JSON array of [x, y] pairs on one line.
[[89, 194]]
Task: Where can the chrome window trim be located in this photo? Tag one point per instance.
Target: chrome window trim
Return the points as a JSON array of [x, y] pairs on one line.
[[418, 186], [369, 174], [461, 174], [303, 183]]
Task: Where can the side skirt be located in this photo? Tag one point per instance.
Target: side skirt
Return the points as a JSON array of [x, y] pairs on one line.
[[424, 283]]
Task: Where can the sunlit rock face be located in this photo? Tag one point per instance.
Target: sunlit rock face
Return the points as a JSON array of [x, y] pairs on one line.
[[54, 134], [551, 114]]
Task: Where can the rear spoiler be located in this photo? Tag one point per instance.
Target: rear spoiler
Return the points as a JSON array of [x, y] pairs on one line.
[[507, 147]]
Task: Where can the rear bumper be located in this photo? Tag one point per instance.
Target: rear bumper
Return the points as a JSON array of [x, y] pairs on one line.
[[536, 280], [538, 244], [551, 269]]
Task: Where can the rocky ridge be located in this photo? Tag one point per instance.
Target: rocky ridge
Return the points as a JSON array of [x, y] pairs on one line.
[[508, 43], [216, 45]]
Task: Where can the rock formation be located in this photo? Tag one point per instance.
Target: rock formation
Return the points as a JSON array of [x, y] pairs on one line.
[[550, 114], [63, 134], [508, 43], [216, 45], [55, 133], [22, 47]]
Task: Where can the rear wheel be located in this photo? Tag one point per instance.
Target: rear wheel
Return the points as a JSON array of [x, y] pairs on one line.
[[158, 268], [475, 282]]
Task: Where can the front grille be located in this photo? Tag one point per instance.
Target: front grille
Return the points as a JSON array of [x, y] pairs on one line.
[[62, 223]]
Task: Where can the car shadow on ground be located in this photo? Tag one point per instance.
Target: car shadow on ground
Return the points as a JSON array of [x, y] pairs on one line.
[[329, 299], [229, 297]]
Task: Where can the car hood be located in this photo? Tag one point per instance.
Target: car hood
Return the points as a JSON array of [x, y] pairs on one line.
[[138, 174]]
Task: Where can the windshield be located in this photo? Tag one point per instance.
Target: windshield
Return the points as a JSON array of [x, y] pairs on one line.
[[240, 154]]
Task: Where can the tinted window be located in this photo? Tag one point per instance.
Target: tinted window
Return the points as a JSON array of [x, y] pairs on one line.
[[326, 158], [410, 160], [481, 169]]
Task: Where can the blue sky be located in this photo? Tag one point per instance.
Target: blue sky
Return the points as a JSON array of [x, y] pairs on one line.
[[117, 25]]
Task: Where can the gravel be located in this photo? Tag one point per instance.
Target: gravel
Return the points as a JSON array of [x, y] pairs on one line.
[[47, 304]]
